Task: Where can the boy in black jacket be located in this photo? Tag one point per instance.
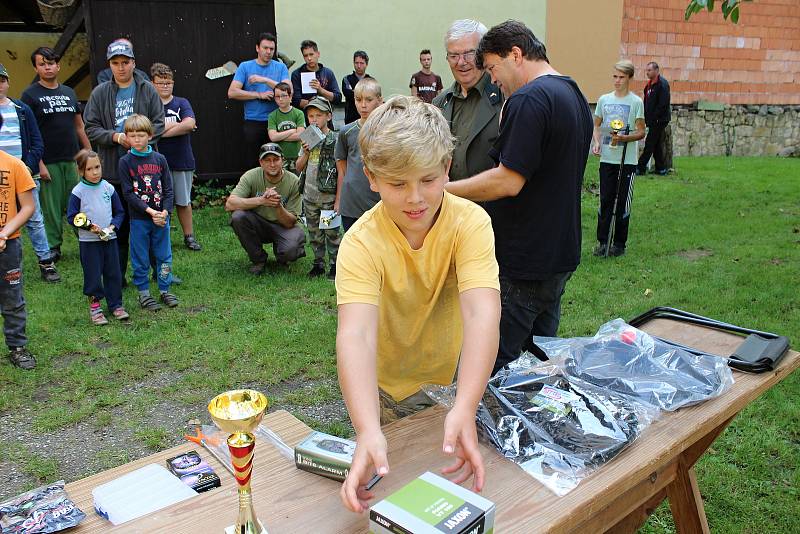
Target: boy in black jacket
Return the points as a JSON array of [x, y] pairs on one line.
[[147, 187]]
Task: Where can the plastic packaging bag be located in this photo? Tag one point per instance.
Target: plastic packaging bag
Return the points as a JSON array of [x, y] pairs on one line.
[[630, 362], [558, 429], [44, 509]]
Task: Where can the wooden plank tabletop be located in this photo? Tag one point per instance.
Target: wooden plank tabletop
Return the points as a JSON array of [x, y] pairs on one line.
[[290, 501]]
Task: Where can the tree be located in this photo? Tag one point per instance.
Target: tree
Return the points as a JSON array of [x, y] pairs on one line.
[[730, 8]]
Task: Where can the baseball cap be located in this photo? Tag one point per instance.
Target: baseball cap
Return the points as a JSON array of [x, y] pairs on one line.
[[320, 103], [3, 72], [270, 148], [120, 47]]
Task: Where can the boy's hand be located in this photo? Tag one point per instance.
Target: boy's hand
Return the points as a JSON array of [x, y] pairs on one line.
[[94, 229], [596, 149], [369, 458], [3, 240], [461, 439], [305, 146]]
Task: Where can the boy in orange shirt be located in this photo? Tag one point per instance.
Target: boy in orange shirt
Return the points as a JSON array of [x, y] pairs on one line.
[[16, 186]]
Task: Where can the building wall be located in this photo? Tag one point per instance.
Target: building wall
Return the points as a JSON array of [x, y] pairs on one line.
[[15, 55], [756, 61], [392, 33], [583, 41]]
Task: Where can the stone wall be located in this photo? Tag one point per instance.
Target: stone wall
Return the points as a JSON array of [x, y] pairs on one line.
[[737, 130]]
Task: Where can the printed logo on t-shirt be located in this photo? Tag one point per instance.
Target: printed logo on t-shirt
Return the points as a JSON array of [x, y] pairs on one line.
[[172, 116], [122, 110], [58, 104], [614, 112], [286, 125]]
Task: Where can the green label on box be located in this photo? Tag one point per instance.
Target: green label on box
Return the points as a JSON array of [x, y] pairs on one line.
[[429, 503]]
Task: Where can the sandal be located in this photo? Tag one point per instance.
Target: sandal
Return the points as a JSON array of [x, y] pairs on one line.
[[169, 299], [191, 243], [147, 302]]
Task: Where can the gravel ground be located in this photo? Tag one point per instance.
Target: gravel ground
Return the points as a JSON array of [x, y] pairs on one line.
[[85, 449]]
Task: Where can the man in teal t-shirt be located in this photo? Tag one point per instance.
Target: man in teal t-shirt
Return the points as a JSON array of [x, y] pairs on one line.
[[609, 144]]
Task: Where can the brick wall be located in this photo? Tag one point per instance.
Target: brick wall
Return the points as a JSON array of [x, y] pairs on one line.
[[756, 61]]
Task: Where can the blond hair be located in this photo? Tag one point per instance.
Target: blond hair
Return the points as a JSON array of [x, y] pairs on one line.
[[625, 66], [405, 133], [138, 123], [367, 85]]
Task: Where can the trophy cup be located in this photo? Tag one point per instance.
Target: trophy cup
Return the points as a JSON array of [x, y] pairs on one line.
[[239, 412], [82, 221], [616, 126]]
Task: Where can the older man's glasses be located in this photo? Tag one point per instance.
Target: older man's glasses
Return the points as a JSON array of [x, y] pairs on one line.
[[468, 56]]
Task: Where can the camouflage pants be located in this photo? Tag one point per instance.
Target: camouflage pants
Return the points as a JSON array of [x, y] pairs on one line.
[[392, 410], [320, 239]]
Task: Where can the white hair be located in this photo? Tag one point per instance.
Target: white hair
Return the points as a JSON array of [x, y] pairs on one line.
[[462, 28]]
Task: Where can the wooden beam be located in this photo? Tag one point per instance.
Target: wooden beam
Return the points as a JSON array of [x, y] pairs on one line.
[[69, 33], [67, 36], [78, 75]]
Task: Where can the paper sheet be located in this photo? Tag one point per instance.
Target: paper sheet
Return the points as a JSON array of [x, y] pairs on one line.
[[329, 219], [305, 82]]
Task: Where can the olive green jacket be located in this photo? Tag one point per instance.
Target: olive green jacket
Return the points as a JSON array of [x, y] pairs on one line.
[[484, 128]]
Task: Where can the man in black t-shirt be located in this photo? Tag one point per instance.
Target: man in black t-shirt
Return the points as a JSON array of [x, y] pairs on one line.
[[533, 195], [59, 119]]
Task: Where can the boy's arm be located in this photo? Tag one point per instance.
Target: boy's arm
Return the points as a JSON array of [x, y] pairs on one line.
[[80, 131], [356, 350], [596, 135], [300, 164], [26, 208], [341, 169], [36, 150], [480, 309], [92, 116]]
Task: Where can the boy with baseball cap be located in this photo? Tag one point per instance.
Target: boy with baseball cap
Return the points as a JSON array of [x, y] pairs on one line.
[[321, 179]]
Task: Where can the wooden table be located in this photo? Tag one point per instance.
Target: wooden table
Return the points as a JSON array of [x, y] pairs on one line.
[[618, 497]]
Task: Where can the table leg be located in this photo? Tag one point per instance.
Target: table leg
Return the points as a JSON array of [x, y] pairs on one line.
[[683, 493]]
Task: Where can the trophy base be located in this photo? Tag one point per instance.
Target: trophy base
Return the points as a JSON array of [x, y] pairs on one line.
[[232, 529]]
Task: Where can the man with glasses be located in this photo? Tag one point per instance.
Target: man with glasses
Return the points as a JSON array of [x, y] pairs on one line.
[[472, 104]]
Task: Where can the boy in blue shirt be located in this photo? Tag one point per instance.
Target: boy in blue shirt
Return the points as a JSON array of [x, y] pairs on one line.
[[147, 188]]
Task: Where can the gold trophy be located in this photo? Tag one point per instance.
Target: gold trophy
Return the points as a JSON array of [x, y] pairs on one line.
[[616, 126], [82, 221], [239, 412]]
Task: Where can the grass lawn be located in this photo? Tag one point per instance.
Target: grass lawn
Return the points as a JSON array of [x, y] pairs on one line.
[[721, 237]]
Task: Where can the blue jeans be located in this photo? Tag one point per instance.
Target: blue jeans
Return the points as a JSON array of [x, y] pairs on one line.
[[147, 238], [35, 227], [528, 308]]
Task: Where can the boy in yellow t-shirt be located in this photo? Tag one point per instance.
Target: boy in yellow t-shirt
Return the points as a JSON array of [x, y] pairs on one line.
[[418, 294]]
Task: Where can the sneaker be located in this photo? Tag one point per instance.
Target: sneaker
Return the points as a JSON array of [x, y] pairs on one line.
[[169, 299], [49, 273], [316, 270], [96, 312], [332, 272], [257, 268], [616, 250], [191, 243], [599, 250], [120, 314], [55, 254], [147, 302], [22, 358]]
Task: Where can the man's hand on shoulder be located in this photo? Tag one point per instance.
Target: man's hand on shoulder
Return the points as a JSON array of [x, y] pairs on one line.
[[369, 458], [461, 440]]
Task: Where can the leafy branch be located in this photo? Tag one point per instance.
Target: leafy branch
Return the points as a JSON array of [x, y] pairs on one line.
[[730, 8]]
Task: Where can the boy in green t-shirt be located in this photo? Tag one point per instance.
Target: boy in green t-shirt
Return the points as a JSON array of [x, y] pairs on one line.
[[285, 125]]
